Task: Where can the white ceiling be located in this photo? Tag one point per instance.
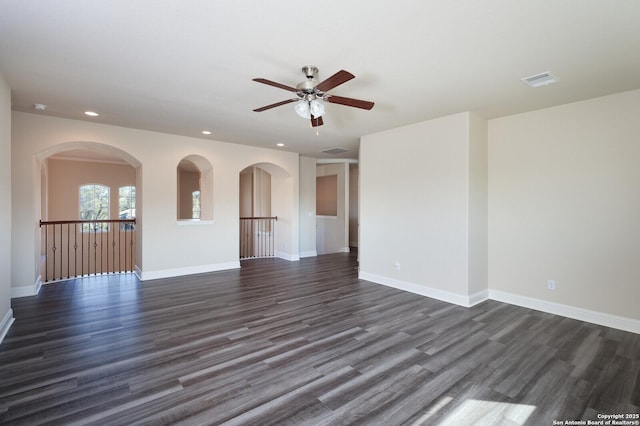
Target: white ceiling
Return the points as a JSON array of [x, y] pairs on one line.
[[184, 66]]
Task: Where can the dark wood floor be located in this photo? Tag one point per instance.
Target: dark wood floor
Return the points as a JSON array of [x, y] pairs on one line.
[[304, 342]]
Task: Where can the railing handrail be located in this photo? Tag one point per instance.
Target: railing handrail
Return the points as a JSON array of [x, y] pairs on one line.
[[77, 248], [65, 222], [257, 236], [259, 217]]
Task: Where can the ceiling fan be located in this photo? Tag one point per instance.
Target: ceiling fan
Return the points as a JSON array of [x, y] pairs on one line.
[[311, 94]]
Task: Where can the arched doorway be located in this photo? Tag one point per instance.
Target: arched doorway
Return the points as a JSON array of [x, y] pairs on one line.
[[266, 212], [90, 211]]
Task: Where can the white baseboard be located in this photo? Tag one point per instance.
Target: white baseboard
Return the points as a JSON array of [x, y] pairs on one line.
[[478, 297], [190, 270], [287, 256], [422, 290], [27, 290], [138, 272], [594, 317], [310, 253], [5, 324]]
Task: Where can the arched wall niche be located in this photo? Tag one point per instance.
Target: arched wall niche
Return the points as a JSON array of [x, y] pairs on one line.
[[194, 177]]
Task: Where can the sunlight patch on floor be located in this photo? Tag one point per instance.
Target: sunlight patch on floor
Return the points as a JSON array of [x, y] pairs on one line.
[[433, 410], [478, 412]]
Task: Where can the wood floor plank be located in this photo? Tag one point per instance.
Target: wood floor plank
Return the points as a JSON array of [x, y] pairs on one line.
[[300, 343]]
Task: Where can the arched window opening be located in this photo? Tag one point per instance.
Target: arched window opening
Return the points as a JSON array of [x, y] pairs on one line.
[[94, 205]]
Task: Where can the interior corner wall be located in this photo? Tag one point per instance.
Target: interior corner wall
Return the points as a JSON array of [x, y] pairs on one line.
[[478, 208], [414, 192], [564, 205], [6, 314], [307, 207]]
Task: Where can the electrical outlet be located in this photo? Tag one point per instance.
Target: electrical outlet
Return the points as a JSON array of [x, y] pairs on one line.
[[396, 265], [551, 284]]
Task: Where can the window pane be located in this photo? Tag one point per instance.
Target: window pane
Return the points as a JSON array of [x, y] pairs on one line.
[[195, 205], [94, 205], [127, 202], [127, 206]]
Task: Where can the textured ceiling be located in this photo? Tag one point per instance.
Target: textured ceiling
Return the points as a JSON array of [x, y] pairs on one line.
[[184, 66]]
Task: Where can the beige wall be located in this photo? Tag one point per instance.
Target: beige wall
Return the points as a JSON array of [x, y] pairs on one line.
[[188, 181], [564, 204], [6, 314], [472, 209], [327, 195], [66, 176], [332, 232], [478, 205], [246, 193], [307, 207], [414, 208], [353, 205], [255, 193], [261, 193], [284, 190], [168, 247]]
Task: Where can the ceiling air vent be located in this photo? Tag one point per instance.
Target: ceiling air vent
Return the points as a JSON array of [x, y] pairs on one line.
[[542, 79], [335, 151]]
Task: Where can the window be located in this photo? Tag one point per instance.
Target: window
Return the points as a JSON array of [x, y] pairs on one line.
[[127, 205], [94, 205], [195, 205]]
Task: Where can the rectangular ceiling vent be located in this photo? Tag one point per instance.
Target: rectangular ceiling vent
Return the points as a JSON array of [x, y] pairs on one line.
[[335, 151], [542, 79]]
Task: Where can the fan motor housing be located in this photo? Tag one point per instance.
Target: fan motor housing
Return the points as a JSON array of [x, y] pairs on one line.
[[307, 86]]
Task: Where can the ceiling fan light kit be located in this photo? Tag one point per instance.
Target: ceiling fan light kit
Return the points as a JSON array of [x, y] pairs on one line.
[[302, 109], [311, 95], [306, 109]]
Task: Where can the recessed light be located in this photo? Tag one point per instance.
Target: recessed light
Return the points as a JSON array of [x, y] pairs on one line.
[[280, 144], [39, 107], [206, 132], [91, 113]]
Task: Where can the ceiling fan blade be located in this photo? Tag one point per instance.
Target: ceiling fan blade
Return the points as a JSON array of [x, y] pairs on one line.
[[315, 122], [277, 104], [335, 80], [350, 102], [274, 84]]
